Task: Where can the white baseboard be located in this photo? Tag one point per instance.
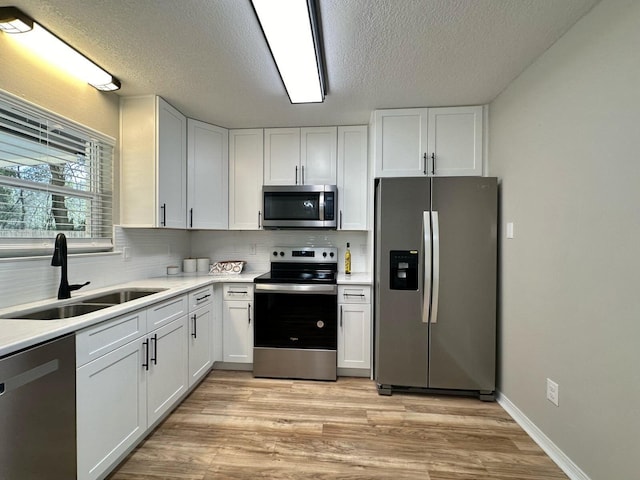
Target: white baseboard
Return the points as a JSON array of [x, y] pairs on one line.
[[558, 456]]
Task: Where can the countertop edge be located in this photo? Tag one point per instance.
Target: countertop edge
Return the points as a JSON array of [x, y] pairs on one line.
[[16, 334]]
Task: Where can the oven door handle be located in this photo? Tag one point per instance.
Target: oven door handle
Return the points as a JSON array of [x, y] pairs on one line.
[[297, 288]]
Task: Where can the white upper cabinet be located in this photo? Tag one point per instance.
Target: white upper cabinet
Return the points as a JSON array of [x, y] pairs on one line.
[[300, 156], [281, 156], [245, 179], [352, 178], [153, 154], [455, 141], [418, 142], [208, 176], [318, 156], [400, 142]]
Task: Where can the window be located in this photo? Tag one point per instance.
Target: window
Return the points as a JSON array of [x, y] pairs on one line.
[[55, 177]]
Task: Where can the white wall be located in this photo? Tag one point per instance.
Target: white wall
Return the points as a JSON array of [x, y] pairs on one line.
[[565, 140]]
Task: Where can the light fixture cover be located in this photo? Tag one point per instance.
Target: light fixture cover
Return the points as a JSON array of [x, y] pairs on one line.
[[291, 30], [13, 20], [42, 42]]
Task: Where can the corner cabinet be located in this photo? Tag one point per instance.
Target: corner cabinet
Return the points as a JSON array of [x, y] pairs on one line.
[[353, 176], [416, 142], [245, 179], [153, 163], [207, 176], [300, 156]]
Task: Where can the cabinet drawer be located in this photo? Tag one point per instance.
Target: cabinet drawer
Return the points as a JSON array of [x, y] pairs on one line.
[[98, 340], [354, 294], [166, 312], [200, 298], [238, 291]]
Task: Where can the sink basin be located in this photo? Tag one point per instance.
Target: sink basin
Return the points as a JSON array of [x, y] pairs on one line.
[[64, 311], [122, 296], [86, 305]]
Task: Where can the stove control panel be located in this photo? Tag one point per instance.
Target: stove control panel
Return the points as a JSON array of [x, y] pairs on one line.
[[305, 254]]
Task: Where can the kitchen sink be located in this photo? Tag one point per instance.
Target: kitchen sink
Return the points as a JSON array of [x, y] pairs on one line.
[[63, 311], [86, 305], [122, 296]]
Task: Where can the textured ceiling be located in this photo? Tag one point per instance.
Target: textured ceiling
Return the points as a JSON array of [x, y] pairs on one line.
[[209, 59]]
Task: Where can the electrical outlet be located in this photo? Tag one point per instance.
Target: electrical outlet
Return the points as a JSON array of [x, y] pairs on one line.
[[252, 249], [553, 392], [126, 253]]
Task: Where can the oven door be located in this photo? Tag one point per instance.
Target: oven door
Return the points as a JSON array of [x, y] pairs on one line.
[[296, 316]]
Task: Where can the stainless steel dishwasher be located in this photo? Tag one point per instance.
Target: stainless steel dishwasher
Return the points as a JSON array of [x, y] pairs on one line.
[[38, 412]]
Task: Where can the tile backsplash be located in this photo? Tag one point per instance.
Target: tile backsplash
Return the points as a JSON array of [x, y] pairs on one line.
[[256, 247], [145, 253]]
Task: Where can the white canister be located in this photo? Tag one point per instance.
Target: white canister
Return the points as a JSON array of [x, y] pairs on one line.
[[203, 265], [189, 265]]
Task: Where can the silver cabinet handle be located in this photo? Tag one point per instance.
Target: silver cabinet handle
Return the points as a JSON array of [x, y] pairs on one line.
[[340, 316], [436, 267], [163, 222], [426, 274], [296, 174], [433, 163], [195, 326], [249, 312], [259, 219], [424, 163], [204, 297], [191, 217]]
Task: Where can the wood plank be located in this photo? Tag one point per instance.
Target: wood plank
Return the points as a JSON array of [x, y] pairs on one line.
[[234, 426]]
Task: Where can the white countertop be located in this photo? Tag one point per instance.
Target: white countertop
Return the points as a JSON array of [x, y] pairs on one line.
[[18, 334]]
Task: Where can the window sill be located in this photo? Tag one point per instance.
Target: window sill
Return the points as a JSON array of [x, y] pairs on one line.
[[6, 258]]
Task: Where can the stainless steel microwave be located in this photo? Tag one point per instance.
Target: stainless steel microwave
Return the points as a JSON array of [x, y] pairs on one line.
[[300, 206]]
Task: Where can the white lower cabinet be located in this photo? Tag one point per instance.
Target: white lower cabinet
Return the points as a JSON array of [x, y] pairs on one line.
[[237, 323], [354, 327], [111, 408], [200, 334], [167, 372], [132, 370]]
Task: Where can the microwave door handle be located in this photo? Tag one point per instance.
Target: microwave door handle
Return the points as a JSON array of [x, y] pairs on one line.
[[321, 205]]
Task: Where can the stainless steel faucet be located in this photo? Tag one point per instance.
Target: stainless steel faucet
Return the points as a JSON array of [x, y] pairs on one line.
[[59, 259]]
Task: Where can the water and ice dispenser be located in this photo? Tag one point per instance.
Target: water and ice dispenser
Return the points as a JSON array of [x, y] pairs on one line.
[[403, 269]]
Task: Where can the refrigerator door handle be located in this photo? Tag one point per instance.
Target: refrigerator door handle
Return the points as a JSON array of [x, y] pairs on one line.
[[426, 278], [436, 267]]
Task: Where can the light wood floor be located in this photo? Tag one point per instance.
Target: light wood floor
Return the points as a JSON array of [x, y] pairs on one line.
[[236, 427]]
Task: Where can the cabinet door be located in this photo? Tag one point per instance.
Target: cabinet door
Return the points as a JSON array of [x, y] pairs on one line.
[[168, 371], [455, 141], [200, 343], [245, 179], [208, 175], [172, 166], [282, 156], [111, 408], [353, 175], [318, 151], [354, 336], [400, 142], [237, 332]]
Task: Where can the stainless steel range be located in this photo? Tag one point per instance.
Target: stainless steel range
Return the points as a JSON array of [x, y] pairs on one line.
[[296, 315]]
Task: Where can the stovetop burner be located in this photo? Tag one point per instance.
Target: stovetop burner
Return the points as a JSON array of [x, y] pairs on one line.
[[302, 265]]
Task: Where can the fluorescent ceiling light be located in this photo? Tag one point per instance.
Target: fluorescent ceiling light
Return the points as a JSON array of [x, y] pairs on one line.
[[291, 30], [44, 43]]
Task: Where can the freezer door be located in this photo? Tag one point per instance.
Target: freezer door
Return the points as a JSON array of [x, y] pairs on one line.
[[463, 320], [401, 337]]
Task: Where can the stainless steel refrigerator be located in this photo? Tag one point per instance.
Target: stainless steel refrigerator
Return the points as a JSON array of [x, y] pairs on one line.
[[435, 284]]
